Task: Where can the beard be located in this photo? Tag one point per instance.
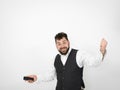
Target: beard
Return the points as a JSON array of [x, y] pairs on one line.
[[64, 52]]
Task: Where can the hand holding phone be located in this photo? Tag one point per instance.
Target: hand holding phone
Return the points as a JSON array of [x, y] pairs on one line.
[[30, 78]]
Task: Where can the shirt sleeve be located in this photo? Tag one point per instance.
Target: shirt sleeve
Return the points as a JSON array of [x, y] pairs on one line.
[[49, 75], [84, 58]]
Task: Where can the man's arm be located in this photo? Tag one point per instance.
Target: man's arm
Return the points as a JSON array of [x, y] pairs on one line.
[[84, 58], [48, 76]]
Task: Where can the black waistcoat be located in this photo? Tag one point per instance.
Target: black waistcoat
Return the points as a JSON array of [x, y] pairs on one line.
[[69, 76]]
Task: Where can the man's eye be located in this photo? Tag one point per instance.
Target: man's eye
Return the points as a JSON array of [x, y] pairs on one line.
[[58, 44]]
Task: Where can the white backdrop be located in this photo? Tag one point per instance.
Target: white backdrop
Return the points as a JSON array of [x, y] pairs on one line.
[[27, 30]]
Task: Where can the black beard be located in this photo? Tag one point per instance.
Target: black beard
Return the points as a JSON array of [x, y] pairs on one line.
[[65, 52]]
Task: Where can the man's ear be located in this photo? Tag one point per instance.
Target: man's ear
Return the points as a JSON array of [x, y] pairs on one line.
[[68, 42]]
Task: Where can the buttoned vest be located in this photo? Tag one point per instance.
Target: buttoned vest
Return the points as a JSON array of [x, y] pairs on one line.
[[69, 76]]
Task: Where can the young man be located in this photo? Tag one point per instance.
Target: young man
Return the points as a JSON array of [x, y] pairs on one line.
[[69, 63]]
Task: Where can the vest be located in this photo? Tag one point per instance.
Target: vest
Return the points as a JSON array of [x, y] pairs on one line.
[[69, 76]]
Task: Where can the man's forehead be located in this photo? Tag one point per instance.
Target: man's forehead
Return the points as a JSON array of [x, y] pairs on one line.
[[62, 39]]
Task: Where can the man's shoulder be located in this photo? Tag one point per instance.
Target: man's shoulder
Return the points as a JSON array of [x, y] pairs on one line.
[[74, 49], [57, 55]]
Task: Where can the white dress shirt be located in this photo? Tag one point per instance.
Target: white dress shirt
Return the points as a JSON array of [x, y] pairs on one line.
[[82, 58]]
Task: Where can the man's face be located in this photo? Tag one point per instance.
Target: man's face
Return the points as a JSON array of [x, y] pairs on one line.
[[62, 45]]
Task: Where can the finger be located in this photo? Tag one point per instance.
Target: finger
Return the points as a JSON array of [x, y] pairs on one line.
[[30, 81]]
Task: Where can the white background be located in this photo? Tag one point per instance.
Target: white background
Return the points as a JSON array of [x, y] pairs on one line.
[[27, 30]]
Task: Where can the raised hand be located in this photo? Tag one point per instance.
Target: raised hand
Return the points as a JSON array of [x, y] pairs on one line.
[[103, 46]]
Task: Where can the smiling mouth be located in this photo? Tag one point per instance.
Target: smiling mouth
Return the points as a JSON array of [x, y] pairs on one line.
[[63, 49]]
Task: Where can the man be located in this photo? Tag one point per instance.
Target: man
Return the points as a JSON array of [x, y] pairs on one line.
[[69, 63]]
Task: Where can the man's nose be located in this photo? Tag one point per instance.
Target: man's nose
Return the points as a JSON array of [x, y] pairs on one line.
[[62, 46]]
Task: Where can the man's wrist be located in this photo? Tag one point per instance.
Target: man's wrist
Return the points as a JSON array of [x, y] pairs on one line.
[[103, 53]]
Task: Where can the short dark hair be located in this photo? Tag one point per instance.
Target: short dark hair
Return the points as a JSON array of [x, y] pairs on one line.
[[60, 36]]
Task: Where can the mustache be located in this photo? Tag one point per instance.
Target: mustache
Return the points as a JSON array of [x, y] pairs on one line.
[[64, 53], [63, 48]]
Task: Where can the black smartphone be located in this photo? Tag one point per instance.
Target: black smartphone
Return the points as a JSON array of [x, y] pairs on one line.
[[28, 78]]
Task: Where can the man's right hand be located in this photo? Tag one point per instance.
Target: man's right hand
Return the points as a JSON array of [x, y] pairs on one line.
[[32, 76]]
